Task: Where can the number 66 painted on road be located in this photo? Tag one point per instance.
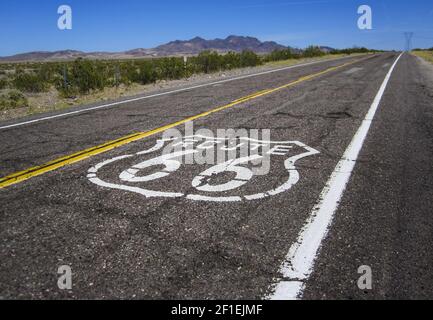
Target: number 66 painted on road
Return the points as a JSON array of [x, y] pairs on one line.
[[243, 175], [201, 182]]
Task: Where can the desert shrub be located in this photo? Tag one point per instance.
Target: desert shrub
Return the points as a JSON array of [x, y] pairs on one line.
[[208, 62], [19, 69], [82, 77], [128, 72], [47, 72], [29, 82], [249, 59], [231, 60], [351, 50], [12, 100], [3, 84], [87, 76], [170, 68], [147, 73], [313, 51], [279, 55]]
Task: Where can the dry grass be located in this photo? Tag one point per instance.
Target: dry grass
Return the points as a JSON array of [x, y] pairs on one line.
[[426, 55]]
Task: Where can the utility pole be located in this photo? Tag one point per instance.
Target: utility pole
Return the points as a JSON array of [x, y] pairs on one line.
[[408, 37]]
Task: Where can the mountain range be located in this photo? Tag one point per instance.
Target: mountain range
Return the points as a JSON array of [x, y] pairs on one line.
[[174, 48]]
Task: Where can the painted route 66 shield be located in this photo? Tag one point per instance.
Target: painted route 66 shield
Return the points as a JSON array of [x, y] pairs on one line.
[[158, 173]]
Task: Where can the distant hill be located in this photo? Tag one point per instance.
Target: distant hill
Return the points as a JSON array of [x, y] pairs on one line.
[[231, 43], [174, 48]]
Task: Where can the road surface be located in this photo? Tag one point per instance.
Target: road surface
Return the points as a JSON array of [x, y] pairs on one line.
[[360, 195]]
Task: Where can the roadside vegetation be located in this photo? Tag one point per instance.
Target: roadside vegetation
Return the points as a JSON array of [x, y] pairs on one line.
[[425, 54], [12, 99], [72, 82]]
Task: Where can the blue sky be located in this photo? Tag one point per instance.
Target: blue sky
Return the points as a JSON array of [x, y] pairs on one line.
[[114, 25]]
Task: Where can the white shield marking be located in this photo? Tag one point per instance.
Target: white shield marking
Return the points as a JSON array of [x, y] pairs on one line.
[[172, 163]]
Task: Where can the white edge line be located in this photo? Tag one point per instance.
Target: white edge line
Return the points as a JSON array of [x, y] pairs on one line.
[[299, 262], [163, 94]]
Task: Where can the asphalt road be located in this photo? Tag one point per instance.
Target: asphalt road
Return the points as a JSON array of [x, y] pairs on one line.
[[179, 241]]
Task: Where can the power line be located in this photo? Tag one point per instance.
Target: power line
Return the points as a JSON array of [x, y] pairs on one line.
[[429, 38]]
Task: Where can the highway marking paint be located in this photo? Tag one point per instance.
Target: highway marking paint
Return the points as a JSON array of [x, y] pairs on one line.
[[85, 154], [108, 105], [299, 262], [131, 178]]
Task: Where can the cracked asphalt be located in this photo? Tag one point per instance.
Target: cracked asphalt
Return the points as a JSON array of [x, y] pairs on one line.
[[121, 244]]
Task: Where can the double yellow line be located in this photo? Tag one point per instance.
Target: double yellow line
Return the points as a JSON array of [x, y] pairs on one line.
[[85, 154]]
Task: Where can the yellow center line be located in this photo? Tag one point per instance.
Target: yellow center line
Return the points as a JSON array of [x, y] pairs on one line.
[[85, 154]]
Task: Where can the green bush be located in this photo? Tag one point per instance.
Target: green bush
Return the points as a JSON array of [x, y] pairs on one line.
[[170, 68], [313, 51], [207, 62], [279, 55], [13, 100], [87, 76], [82, 77], [3, 84], [249, 59], [146, 73], [29, 82], [351, 50], [231, 60], [47, 73]]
